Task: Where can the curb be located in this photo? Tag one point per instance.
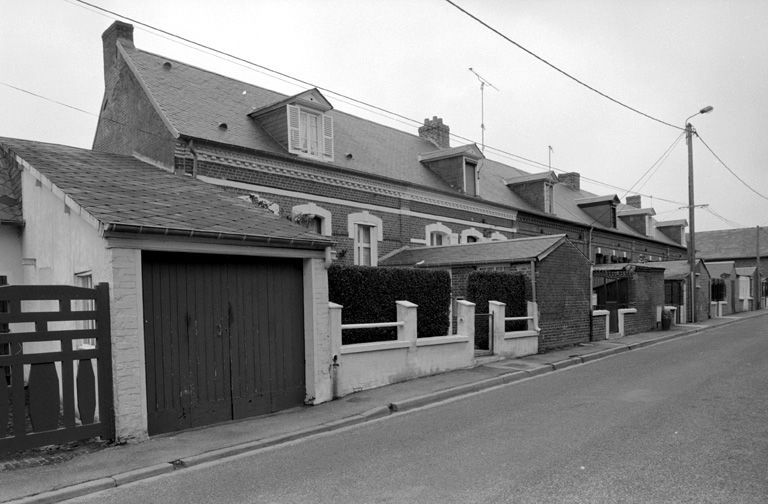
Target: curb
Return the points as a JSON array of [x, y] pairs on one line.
[[93, 486]]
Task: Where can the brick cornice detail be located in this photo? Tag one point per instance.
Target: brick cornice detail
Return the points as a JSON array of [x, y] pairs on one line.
[[359, 183]]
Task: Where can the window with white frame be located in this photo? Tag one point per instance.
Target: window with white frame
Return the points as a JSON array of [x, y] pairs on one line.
[[549, 199], [84, 279], [470, 178], [437, 234], [310, 133], [366, 231], [471, 235], [496, 236], [313, 217]]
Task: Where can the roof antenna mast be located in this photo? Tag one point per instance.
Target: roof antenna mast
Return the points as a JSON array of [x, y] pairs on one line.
[[483, 83]]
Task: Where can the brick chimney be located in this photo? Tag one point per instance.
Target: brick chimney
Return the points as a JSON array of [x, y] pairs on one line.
[[117, 31], [435, 131], [571, 179], [635, 201]]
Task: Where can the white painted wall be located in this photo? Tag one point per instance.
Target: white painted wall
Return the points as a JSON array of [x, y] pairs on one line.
[[59, 237], [369, 365], [10, 254]]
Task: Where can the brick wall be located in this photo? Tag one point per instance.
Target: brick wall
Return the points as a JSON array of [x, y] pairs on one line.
[[562, 292], [598, 327], [130, 124], [646, 293]]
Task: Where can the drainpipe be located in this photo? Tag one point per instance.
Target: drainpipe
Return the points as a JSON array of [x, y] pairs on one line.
[[328, 257]]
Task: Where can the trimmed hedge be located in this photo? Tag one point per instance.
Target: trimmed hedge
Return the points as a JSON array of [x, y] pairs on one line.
[[368, 294], [508, 288]]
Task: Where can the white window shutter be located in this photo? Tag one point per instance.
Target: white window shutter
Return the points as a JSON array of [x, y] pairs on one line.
[[327, 136], [294, 137]]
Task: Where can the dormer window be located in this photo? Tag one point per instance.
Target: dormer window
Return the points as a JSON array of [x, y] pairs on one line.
[[549, 199], [300, 123], [310, 133], [457, 166], [535, 189], [470, 178]]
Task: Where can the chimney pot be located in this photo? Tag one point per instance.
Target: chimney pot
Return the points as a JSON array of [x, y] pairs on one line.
[[117, 31], [435, 131], [635, 201], [571, 179]]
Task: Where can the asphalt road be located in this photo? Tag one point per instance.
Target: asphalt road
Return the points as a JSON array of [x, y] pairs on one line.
[[684, 421]]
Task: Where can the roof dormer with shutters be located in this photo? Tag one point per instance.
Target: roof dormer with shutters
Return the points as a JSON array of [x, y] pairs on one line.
[[536, 190], [602, 209], [301, 124], [458, 166]]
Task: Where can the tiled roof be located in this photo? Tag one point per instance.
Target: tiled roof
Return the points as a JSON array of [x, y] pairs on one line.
[[10, 196], [195, 101], [731, 243], [518, 250], [745, 271], [719, 268], [674, 270], [123, 191]]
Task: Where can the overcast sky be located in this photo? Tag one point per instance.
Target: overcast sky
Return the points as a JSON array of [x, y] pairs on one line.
[[666, 58]]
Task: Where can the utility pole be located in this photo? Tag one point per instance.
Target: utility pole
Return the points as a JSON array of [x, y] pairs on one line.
[[691, 223], [691, 209], [758, 277]]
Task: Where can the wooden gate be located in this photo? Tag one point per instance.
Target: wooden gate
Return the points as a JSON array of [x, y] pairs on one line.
[[51, 338], [224, 337]]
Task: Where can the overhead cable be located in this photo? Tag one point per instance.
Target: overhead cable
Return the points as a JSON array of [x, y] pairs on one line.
[[554, 67], [731, 171]]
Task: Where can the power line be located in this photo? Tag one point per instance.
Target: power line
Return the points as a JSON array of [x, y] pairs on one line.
[[658, 162], [663, 156], [731, 171], [727, 221], [661, 160], [510, 155], [243, 60], [575, 79], [352, 101], [79, 109]]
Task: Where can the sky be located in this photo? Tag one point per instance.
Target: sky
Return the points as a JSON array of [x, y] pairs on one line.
[[665, 58]]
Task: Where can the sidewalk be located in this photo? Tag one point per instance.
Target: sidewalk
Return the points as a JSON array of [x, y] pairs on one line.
[[119, 465]]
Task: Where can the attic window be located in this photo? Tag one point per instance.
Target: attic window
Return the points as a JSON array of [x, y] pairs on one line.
[[470, 178], [310, 133]]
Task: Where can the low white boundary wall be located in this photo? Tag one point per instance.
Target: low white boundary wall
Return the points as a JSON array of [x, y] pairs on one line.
[[514, 343], [368, 365]]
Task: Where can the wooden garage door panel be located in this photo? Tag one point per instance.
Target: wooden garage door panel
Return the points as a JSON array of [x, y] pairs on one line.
[[224, 338], [268, 335]]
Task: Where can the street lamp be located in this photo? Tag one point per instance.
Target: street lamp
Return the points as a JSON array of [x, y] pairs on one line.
[[691, 207]]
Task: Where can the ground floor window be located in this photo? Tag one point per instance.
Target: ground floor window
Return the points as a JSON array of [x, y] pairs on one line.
[[363, 245], [366, 231]]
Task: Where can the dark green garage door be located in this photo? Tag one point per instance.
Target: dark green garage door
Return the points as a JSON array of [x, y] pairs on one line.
[[223, 336]]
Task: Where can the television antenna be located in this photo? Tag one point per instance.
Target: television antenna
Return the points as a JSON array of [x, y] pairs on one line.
[[483, 83]]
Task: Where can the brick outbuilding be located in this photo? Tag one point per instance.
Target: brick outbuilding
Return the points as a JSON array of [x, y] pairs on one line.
[[557, 278]]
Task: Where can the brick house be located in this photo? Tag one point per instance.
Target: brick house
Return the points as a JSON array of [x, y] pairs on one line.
[[372, 188], [725, 285], [677, 285], [557, 278], [195, 275], [742, 246], [633, 293]]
